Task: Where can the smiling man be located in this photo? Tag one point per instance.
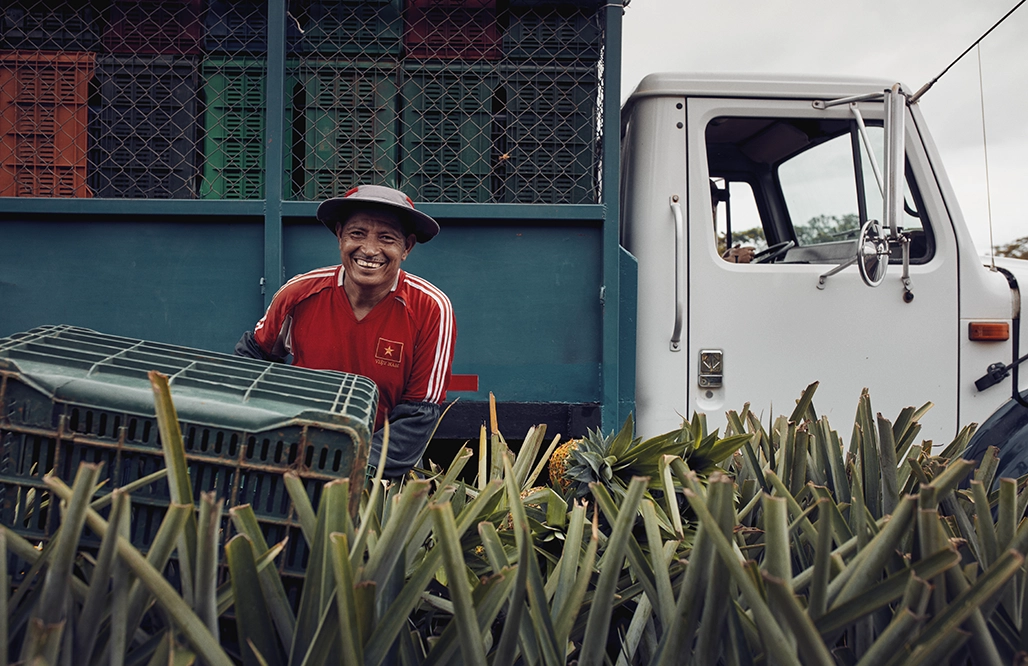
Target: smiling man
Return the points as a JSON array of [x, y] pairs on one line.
[[369, 317]]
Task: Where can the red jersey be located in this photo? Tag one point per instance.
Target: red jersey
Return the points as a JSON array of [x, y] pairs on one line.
[[404, 345]]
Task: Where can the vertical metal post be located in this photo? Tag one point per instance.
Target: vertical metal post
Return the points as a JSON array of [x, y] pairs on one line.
[[274, 147], [611, 382]]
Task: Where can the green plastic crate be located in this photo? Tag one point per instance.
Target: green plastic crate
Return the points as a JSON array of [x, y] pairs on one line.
[[447, 132], [235, 90], [72, 395], [350, 120]]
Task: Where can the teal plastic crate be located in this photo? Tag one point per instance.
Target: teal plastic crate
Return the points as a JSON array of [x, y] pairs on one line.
[[235, 93], [447, 132], [72, 395], [350, 126]]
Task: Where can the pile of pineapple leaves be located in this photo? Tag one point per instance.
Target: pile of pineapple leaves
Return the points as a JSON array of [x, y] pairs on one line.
[[770, 543]]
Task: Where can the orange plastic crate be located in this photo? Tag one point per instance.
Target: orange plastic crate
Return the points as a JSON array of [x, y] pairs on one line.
[[54, 77], [43, 181], [44, 123]]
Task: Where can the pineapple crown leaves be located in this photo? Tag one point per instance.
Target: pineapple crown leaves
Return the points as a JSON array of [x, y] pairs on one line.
[[615, 458]]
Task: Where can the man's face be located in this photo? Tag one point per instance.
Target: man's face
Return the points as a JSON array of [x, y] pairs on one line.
[[371, 246]]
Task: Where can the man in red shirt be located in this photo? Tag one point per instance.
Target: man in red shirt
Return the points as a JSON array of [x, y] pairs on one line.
[[369, 317]]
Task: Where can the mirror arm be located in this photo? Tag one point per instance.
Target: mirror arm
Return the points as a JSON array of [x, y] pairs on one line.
[[867, 146], [908, 295], [823, 278]]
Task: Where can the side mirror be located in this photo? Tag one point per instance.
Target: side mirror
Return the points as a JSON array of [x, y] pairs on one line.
[[872, 254]]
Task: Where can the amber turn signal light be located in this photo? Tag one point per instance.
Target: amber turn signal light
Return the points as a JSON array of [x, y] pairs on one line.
[[989, 331]]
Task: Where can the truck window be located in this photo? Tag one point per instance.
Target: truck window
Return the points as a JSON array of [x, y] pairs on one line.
[[811, 181], [736, 218]]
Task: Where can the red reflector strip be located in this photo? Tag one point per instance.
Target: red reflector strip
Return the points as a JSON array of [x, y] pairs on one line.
[[987, 331], [463, 383]]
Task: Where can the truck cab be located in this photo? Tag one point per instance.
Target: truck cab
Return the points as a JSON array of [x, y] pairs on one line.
[[793, 167]]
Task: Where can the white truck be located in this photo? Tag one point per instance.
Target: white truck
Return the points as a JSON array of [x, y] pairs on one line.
[[867, 275]]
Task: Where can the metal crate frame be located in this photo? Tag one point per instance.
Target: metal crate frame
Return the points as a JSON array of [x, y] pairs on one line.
[[617, 383]]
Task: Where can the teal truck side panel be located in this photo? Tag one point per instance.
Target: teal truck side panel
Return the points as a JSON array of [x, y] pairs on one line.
[[187, 283], [543, 294]]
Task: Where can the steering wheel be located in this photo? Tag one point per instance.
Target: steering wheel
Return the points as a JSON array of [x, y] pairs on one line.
[[772, 253]]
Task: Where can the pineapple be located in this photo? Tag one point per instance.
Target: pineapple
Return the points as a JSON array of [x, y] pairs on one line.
[[508, 523], [559, 463], [613, 460]]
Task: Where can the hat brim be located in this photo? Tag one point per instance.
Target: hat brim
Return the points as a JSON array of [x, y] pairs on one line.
[[334, 210]]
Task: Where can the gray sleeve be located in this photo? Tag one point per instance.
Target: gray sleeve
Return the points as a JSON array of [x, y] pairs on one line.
[[247, 346], [410, 426]]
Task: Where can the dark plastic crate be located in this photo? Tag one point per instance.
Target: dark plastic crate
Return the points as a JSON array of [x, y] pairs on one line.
[[548, 189], [241, 26], [71, 395], [163, 27], [563, 91], [558, 4], [451, 33], [144, 129], [547, 135], [542, 35], [69, 25], [235, 90], [350, 126], [352, 27], [452, 4], [446, 132], [463, 188]]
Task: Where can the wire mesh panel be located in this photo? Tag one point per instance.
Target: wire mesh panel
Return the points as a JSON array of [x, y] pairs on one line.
[[471, 101]]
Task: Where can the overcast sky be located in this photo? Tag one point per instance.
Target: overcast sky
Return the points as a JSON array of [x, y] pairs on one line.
[[910, 41]]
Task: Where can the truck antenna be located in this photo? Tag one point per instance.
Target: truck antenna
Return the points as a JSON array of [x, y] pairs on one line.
[[985, 148], [931, 83]]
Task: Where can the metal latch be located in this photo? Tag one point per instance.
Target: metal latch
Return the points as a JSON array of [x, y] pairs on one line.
[[711, 368]]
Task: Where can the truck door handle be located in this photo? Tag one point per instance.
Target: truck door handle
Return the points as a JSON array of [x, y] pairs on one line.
[[676, 332]]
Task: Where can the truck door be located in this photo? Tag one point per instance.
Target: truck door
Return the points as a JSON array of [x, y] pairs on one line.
[[798, 181]]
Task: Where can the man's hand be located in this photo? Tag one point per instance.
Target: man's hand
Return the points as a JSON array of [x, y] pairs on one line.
[[739, 255]]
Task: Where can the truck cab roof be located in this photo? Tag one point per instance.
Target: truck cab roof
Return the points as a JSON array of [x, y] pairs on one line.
[[781, 86]]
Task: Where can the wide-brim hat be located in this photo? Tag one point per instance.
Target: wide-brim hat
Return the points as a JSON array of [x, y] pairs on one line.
[[364, 197]]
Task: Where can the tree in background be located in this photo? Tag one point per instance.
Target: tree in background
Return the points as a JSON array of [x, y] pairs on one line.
[[827, 229], [1015, 249]]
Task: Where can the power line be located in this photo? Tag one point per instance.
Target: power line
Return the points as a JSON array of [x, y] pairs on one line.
[[931, 83]]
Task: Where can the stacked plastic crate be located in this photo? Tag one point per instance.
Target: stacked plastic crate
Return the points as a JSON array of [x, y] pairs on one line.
[[447, 96], [45, 75], [71, 395], [144, 121], [144, 129], [547, 136], [234, 75], [43, 119], [346, 107]]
